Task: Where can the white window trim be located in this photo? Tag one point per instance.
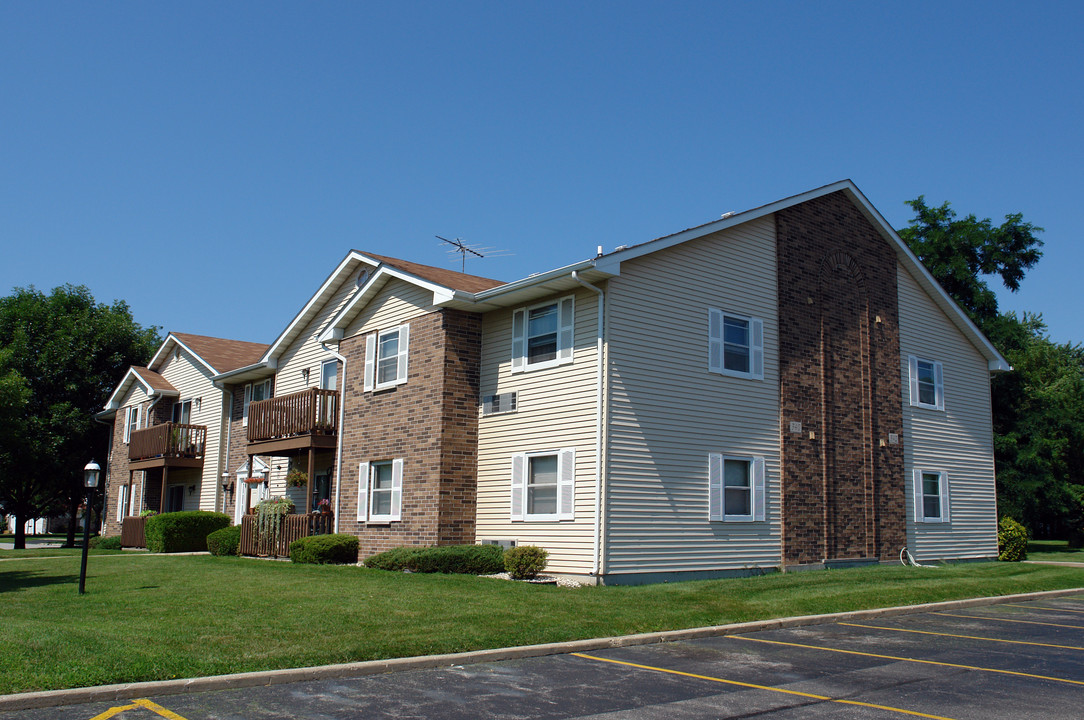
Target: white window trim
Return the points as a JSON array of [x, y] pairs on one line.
[[130, 411], [566, 335], [566, 486], [919, 496], [191, 407], [757, 484], [122, 503], [372, 349], [717, 346], [939, 383], [366, 488], [248, 398]]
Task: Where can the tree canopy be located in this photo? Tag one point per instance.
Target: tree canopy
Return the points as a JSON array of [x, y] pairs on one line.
[[61, 354], [1038, 407]]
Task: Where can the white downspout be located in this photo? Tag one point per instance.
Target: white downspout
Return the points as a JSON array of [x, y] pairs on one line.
[[224, 460], [596, 568], [143, 473], [339, 439]]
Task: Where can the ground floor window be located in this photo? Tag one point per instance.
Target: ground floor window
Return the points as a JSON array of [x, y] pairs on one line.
[[736, 491], [931, 496], [380, 491], [544, 485]]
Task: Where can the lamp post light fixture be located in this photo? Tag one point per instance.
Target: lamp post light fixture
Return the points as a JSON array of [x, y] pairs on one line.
[[90, 481]]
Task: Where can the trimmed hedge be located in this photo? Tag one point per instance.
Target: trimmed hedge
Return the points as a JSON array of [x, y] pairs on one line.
[[1012, 540], [325, 549], [525, 562], [183, 531], [457, 559], [226, 541], [112, 542]]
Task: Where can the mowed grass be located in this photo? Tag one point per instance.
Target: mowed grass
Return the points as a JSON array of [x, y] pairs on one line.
[[1055, 550], [53, 552], [155, 617]]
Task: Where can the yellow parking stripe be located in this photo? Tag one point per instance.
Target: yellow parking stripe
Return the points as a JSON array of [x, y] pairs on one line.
[[141, 703], [763, 687], [1040, 607], [905, 659], [1025, 622], [965, 637]]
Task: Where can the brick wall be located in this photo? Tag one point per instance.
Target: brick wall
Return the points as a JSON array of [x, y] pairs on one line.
[[842, 492], [431, 422]]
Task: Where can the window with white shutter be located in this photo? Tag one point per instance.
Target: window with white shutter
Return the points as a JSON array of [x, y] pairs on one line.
[[544, 485], [386, 358], [735, 345], [736, 488], [543, 335], [931, 495], [926, 383], [131, 422], [385, 490]]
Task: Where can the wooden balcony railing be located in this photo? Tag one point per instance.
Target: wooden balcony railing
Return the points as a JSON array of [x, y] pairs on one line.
[[309, 412], [132, 532], [294, 527], [168, 440]]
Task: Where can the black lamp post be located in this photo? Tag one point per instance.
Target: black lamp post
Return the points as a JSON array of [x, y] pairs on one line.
[[90, 481]]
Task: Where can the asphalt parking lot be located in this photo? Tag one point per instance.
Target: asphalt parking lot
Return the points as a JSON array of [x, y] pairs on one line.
[[1018, 660]]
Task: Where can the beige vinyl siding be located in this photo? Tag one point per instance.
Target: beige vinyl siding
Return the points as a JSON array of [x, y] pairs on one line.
[[667, 412], [958, 440], [556, 410], [193, 381], [397, 302]]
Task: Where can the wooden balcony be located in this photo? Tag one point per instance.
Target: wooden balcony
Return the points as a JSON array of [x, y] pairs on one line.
[[167, 445], [289, 424], [293, 528]]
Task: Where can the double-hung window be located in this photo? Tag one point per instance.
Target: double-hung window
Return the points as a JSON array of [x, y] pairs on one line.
[[931, 496], [131, 422], [254, 392], [380, 491], [386, 358], [735, 488], [927, 383], [543, 335], [122, 502], [735, 344], [544, 485]]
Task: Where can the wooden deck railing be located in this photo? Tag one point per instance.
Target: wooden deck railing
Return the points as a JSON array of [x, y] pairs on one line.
[[168, 440], [132, 532], [309, 412], [294, 527]]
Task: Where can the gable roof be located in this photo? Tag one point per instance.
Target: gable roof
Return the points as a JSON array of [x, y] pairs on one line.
[[438, 276], [151, 382], [221, 354]]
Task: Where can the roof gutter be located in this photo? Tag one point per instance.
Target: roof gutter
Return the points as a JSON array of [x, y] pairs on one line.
[[596, 567]]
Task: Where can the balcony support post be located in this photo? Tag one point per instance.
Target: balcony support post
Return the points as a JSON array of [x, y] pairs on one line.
[[312, 480], [162, 498]]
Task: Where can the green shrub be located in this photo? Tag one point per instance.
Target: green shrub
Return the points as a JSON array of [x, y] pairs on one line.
[[525, 562], [459, 559], [111, 542], [226, 541], [183, 531], [325, 549], [1012, 540]]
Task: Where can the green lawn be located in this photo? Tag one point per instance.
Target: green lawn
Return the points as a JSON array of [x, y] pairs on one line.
[[154, 617], [1057, 550], [51, 552]]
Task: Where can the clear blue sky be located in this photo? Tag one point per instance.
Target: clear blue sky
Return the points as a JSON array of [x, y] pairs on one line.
[[210, 163]]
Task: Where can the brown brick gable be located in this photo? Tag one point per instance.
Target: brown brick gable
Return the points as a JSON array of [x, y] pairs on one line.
[[842, 491], [431, 422]]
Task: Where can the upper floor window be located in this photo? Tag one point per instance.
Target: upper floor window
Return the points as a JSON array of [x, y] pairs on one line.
[[386, 358], [254, 392], [543, 335], [131, 422], [735, 344], [182, 412], [931, 496], [329, 375], [736, 490], [927, 384]]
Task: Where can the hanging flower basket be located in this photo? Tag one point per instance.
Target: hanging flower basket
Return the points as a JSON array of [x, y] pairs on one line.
[[254, 480], [297, 478]]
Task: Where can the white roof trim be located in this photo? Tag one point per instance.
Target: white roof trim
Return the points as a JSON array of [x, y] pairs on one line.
[[171, 338], [333, 280], [122, 387], [995, 360], [383, 273]]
